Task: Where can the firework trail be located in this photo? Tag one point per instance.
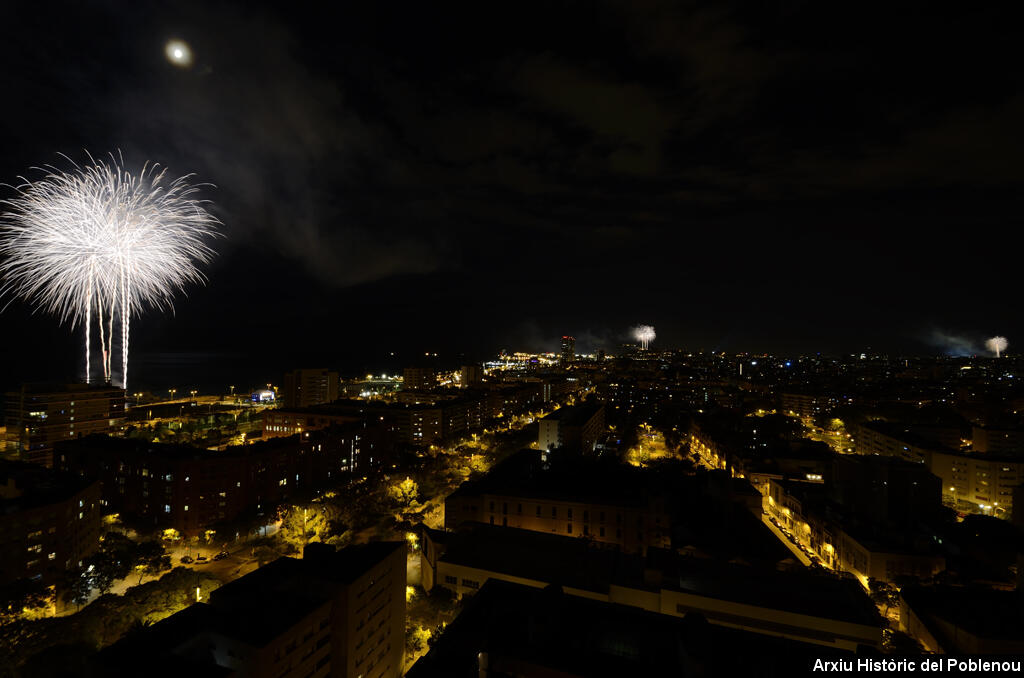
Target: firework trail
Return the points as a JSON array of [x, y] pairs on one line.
[[100, 242], [997, 345], [644, 334]]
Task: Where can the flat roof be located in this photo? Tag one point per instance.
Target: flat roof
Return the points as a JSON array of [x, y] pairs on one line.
[[571, 561], [25, 486], [987, 613], [543, 631], [534, 555], [573, 415], [139, 447], [799, 591], [564, 477]]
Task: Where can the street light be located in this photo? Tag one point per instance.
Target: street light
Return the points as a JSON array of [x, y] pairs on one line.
[[172, 391]]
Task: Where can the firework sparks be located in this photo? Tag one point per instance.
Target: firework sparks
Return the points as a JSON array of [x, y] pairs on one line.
[[99, 242], [644, 335], [997, 345]]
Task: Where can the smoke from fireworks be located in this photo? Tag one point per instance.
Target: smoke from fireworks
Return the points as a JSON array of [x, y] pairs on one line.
[[99, 241], [644, 334], [997, 345]]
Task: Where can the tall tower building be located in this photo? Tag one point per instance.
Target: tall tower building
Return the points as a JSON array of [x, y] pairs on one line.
[[419, 379], [568, 350], [305, 388], [40, 415]]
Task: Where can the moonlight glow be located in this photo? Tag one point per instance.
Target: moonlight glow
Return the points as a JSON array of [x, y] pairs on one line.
[[100, 239], [178, 53]]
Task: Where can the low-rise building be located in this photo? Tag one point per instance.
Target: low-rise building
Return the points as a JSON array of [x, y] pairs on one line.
[[605, 503], [797, 605], [963, 621], [842, 541], [512, 629]]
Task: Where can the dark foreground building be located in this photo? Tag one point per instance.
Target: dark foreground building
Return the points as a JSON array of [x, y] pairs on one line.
[[514, 630], [338, 614], [49, 522]]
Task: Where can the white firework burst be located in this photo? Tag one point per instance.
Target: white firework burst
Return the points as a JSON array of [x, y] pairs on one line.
[[997, 345], [100, 240], [644, 334]]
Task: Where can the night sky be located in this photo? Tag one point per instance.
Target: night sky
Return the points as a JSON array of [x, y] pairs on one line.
[[463, 178]]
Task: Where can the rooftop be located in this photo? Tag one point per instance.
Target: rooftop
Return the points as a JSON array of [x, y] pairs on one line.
[[987, 613], [533, 555], [574, 415], [26, 486], [797, 591], [521, 630], [571, 561], [138, 447], [563, 476]]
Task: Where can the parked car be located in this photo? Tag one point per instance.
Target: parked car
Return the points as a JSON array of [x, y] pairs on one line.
[[221, 555], [186, 559]]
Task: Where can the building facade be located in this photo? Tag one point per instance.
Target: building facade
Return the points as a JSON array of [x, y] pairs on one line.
[[332, 614], [49, 522], [191, 490], [40, 415], [308, 387]]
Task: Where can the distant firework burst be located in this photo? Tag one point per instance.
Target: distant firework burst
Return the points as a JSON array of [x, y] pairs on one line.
[[99, 244], [997, 345], [644, 335]]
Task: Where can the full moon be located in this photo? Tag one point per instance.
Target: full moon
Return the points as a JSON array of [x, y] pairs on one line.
[[178, 53]]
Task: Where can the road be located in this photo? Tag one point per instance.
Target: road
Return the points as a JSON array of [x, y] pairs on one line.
[[794, 549]]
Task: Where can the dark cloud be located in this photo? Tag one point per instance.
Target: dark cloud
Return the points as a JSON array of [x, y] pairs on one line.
[[737, 175]]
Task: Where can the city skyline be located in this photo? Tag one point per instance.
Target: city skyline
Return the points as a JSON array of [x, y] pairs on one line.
[[467, 340], [732, 177]]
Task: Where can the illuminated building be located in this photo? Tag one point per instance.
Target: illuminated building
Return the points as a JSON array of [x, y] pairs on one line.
[[805, 404], [998, 440], [844, 541], [305, 388], [980, 481], [606, 504], [49, 522], [568, 355], [331, 614], [263, 395], [419, 379], [575, 428], [40, 415], [416, 417], [190, 489]]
